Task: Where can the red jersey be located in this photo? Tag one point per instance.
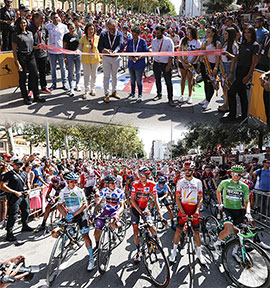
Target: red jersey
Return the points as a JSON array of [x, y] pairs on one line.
[[143, 192]]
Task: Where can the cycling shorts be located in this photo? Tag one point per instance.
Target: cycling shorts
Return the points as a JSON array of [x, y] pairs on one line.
[[165, 202], [135, 216], [189, 212], [233, 216], [101, 222], [82, 221]]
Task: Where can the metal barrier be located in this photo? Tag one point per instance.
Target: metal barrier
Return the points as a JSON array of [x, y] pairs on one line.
[[261, 207]]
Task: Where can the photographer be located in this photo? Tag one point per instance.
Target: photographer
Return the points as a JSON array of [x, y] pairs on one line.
[[15, 184]]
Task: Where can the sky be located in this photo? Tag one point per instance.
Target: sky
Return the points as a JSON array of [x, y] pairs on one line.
[[176, 4]]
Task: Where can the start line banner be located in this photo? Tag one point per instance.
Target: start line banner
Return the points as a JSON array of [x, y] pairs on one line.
[[216, 52]]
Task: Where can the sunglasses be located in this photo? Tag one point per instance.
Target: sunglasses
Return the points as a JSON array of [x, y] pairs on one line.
[[188, 170], [73, 181], [112, 182], [236, 174]]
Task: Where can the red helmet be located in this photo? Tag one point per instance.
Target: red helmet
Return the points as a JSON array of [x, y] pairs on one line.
[[189, 165]]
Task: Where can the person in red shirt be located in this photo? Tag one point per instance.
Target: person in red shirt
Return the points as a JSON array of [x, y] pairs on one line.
[[140, 193]]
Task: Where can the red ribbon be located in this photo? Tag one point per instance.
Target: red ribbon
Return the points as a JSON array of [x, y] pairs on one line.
[[143, 54]]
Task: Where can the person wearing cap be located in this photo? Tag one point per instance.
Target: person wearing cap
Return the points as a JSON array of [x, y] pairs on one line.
[[7, 18], [16, 185], [110, 42], [24, 12], [162, 64]]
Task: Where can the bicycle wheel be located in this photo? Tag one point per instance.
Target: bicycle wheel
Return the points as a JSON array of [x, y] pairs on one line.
[[126, 219], [56, 258], [191, 256], [156, 263], [104, 251], [253, 272], [213, 206], [210, 231]]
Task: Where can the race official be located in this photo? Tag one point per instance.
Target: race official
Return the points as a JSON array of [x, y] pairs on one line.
[[16, 185]]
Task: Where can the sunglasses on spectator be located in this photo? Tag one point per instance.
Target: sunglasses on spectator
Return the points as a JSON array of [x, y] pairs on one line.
[[236, 174]]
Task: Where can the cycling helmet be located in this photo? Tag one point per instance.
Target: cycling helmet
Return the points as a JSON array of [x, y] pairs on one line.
[[144, 171], [109, 178], [237, 169], [69, 176], [56, 180], [162, 180], [189, 165]]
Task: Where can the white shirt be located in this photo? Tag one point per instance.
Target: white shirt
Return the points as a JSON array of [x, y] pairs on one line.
[[56, 34], [192, 45], [234, 51], [212, 58], [167, 46]]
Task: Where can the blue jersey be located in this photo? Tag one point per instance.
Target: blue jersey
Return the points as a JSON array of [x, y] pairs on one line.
[[161, 190], [112, 198]]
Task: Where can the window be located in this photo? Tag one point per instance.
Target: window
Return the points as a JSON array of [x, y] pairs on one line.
[[2, 145]]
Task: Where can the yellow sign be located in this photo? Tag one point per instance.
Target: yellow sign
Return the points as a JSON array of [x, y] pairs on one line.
[[256, 103], [9, 76]]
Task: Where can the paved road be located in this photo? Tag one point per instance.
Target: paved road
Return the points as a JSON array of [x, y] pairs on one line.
[[60, 107], [122, 272]]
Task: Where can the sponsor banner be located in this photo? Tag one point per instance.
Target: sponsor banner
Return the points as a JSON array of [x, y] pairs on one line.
[[217, 159], [249, 157]]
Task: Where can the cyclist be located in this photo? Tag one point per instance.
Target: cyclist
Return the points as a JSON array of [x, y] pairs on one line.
[[57, 184], [114, 198], [140, 193], [88, 180], [128, 187], [72, 203], [234, 192], [162, 191], [189, 197], [118, 178]]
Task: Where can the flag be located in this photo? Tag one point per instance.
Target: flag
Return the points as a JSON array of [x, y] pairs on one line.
[[196, 3]]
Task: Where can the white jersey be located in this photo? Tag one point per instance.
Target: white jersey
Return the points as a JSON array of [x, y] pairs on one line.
[[74, 199], [189, 190], [89, 178]]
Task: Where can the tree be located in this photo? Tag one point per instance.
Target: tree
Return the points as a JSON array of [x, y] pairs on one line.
[[217, 5], [179, 149]]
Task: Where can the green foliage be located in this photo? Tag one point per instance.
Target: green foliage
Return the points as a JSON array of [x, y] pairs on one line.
[[106, 140], [217, 5]]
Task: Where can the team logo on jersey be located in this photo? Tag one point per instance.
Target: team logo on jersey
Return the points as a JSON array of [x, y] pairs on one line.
[[73, 194]]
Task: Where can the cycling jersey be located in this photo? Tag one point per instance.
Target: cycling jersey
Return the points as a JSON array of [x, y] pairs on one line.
[[161, 191], [74, 199], [57, 189], [143, 192], [112, 198], [89, 178], [189, 191], [233, 193]]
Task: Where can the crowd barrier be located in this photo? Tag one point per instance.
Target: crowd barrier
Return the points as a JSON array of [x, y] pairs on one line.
[[261, 207], [256, 103], [37, 202], [9, 76]]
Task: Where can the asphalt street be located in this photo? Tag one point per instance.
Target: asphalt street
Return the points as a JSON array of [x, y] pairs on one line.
[[121, 271]]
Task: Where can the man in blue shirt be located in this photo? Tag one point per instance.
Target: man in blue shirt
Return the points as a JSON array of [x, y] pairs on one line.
[[110, 42], [264, 174], [260, 30]]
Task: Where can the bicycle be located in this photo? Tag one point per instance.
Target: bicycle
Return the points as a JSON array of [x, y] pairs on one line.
[[69, 239], [211, 201], [242, 259], [108, 241], [188, 237], [154, 258]]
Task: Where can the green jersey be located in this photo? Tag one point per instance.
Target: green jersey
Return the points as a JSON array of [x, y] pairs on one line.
[[233, 193]]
